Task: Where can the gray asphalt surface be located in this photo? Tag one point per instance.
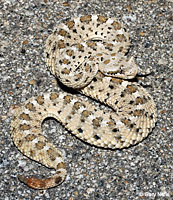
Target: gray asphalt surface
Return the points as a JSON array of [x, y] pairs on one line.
[[144, 171]]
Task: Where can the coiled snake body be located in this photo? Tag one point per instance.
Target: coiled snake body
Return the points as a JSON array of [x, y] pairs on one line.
[[87, 53]]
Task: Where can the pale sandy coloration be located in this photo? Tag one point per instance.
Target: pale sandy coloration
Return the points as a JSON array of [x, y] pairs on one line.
[[88, 54]]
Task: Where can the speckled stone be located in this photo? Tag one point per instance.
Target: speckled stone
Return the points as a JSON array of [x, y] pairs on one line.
[[140, 172]]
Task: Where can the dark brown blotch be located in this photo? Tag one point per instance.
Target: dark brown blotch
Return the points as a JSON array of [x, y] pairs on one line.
[[77, 105], [96, 122], [58, 180], [53, 96], [32, 153], [91, 44], [131, 89], [126, 122], [25, 116], [116, 80], [25, 127], [70, 24], [30, 137], [52, 154], [61, 165], [67, 99], [40, 145], [62, 32], [61, 44], [86, 113], [85, 18], [66, 62], [111, 123], [70, 52], [102, 19], [116, 25], [138, 113], [120, 49], [80, 47], [139, 100], [121, 38], [30, 107], [40, 100], [19, 143]]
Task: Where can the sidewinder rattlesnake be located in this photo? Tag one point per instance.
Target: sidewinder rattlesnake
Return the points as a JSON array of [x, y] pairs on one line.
[[87, 53]]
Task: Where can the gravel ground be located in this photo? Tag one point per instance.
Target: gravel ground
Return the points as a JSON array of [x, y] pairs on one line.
[[143, 171]]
